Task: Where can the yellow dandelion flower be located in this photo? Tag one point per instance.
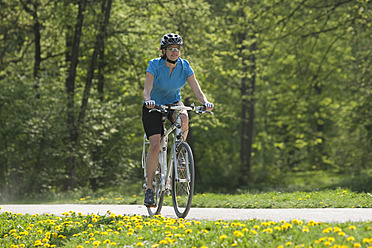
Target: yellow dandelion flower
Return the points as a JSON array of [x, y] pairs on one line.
[[268, 230], [155, 245], [162, 242], [106, 241], [238, 234], [222, 237], [322, 239], [352, 227], [337, 229], [327, 230], [288, 243], [139, 244], [351, 238], [188, 231], [38, 243], [305, 229], [357, 245], [254, 232], [327, 243], [366, 240], [280, 246], [341, 234], [96, 243], [312, 223], [331, 239]]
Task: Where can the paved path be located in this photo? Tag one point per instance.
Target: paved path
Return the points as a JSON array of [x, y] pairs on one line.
[[316, 214]]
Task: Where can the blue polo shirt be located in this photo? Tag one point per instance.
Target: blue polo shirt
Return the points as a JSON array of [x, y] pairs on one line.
[[167, 88]]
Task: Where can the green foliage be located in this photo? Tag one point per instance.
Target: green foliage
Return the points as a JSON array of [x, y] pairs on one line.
[[312, 96]]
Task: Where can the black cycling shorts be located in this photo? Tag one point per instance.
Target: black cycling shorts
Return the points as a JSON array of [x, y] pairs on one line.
[[152, 120]]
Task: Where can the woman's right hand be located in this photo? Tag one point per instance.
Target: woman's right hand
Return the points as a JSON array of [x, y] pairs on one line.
[[150, 104]]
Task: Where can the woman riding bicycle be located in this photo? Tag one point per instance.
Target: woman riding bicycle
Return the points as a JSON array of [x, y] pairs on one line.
[[165, 76]]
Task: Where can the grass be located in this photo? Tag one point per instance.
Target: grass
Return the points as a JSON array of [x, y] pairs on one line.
[[339, 198], [77, 230], [110, 230]]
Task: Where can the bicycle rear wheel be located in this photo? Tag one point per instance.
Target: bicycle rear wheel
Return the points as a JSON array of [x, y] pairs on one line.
[[158, 194], [183, 187]]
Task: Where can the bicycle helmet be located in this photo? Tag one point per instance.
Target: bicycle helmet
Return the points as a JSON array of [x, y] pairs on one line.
[[170, 39]]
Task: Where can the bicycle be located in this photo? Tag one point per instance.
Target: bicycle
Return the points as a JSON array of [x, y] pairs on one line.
[[178, 175]]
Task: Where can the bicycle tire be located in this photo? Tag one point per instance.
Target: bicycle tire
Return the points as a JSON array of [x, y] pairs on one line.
[[158, 194], [182, 189]]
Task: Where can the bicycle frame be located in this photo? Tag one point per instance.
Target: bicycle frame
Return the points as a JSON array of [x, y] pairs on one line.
[[176, 168], [167, 168]]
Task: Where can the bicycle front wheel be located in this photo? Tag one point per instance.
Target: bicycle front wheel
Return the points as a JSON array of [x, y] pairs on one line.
[[158, 194], [183, 183]]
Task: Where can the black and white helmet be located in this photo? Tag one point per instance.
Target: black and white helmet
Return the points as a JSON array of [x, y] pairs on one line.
[[170, 39]]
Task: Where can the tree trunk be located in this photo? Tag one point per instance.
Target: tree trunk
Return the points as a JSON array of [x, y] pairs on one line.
[[106, 8], [36, 31], [248, 109], [98, 49], [97, 57], [70, 90]]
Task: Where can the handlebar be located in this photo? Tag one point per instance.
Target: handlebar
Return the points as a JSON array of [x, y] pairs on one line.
[[166, 108]]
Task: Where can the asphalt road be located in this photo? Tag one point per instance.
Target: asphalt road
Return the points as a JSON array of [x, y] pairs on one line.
[[315, 214]]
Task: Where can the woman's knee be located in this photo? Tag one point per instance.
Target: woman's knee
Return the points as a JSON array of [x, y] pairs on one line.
[[154, 143], [184, 120]]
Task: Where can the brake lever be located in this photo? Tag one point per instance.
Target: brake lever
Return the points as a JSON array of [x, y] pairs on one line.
[[157, 108], [201, 110]]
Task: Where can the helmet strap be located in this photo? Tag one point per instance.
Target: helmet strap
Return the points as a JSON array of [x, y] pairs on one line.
[[171, 61]]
